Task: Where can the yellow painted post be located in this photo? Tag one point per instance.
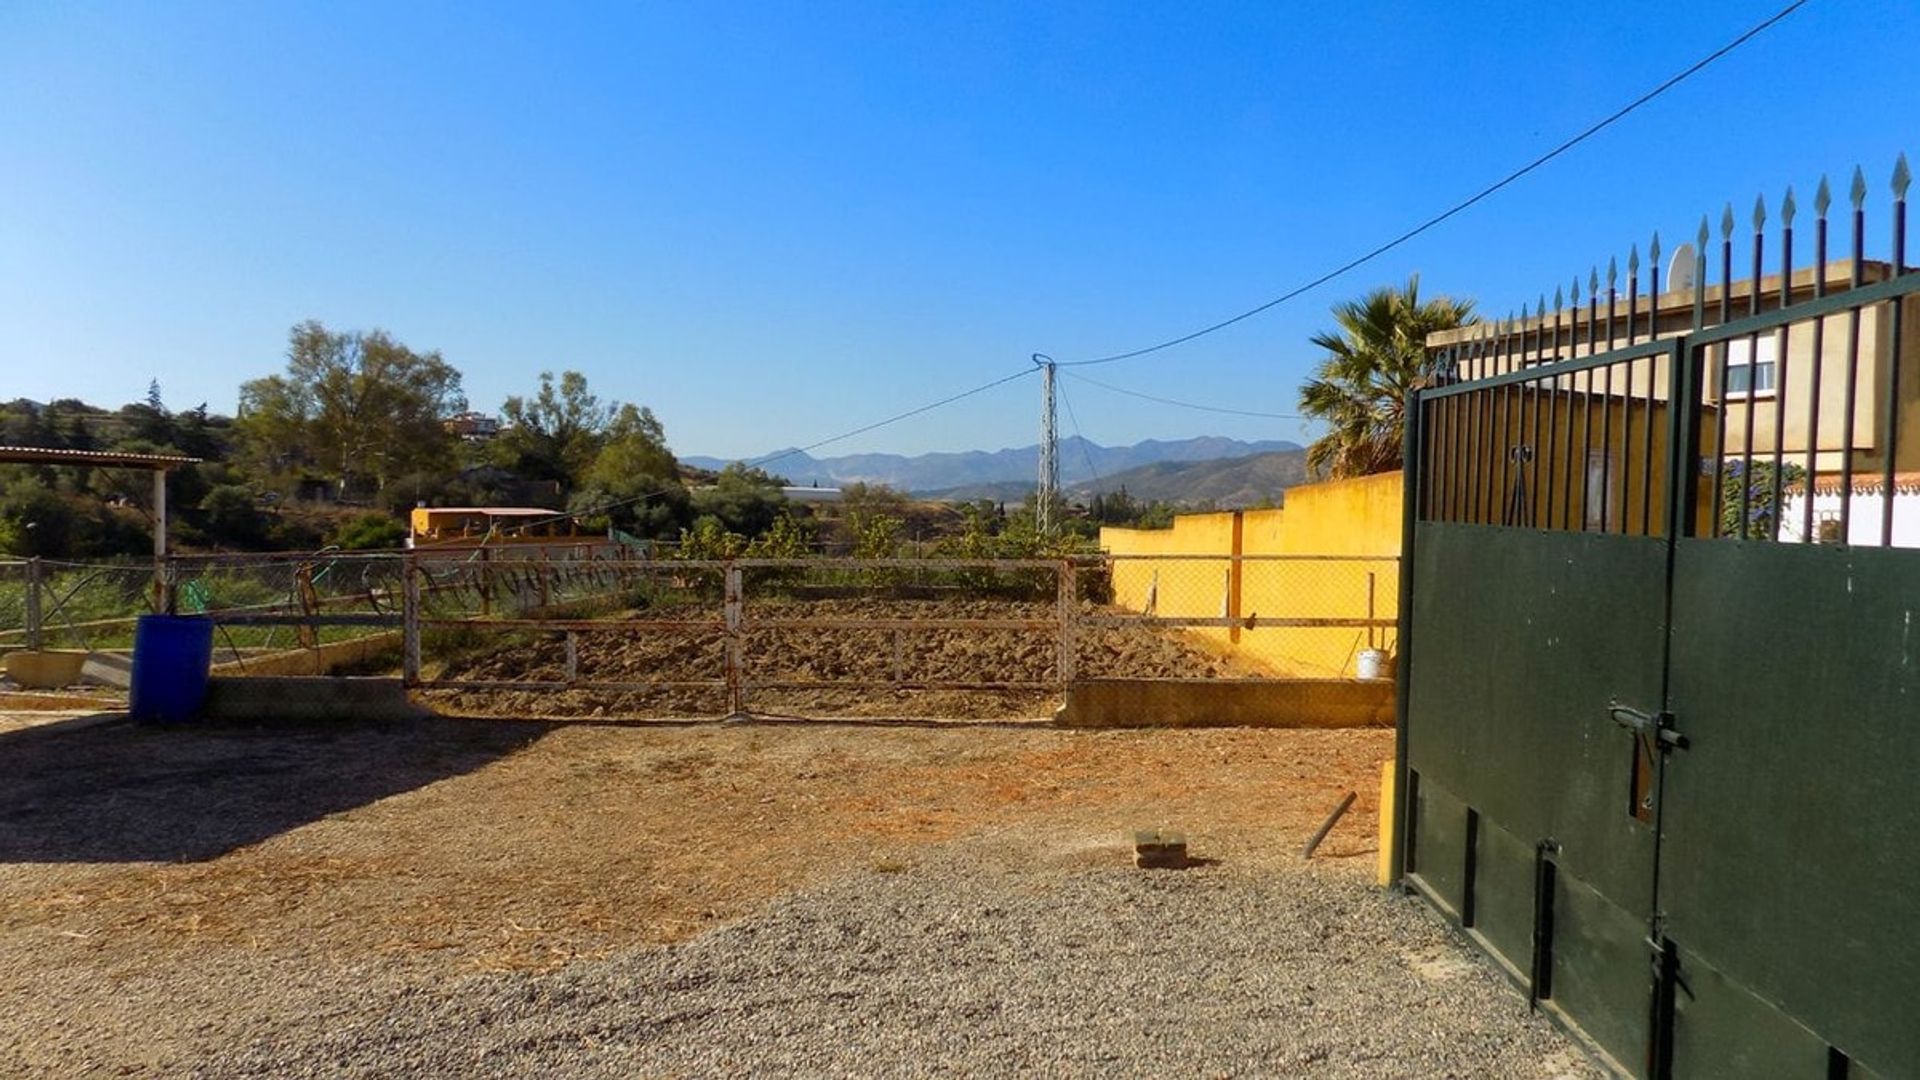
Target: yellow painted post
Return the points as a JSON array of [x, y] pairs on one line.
[[1384, 876], [1234, 575]]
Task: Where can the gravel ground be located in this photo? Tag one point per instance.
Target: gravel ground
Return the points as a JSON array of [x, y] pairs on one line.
[[458, 897], [983, 957]]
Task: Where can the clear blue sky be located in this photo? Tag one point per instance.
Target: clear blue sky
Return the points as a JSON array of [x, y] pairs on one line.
[[771, 223]]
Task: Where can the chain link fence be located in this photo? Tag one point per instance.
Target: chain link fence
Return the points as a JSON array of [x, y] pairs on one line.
[[615, 633], [53, 604], [1259, 616]]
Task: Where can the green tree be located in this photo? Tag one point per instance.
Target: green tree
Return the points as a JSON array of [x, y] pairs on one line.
[[231, 518], [1374, 360], [746, 499], [875, 535], [370, 532], [635, 477], [787, 538], [556, 433], [1756, 486], [357, 407], [709, 539]]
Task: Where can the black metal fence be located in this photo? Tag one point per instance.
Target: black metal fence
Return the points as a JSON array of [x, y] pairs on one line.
[[1804, 373], [1659, 665]]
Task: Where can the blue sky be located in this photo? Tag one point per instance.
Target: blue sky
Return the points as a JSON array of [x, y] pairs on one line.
[[772, 223]]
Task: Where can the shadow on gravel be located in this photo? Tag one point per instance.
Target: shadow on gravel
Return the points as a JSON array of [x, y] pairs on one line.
[[101, 789]]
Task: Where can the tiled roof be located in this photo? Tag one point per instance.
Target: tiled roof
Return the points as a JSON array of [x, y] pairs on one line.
[[1864, 483], [41, 455]]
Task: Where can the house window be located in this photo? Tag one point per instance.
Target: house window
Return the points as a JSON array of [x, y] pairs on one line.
[[1826, 527], [1750, 365]]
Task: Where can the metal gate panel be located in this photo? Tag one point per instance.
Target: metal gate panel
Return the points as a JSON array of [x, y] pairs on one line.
[[1525, 638], [1439, 829], [1721, 1029], [1789, 819], [1503, 891]]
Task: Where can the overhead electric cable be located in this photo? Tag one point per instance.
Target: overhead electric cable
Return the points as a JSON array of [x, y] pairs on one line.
[[1075, 421], [1523, 170], [1183, 404]]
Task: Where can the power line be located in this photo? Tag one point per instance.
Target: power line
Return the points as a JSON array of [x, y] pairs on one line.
[[896, 418], [1075, 421], [1183, 404], [1530, 166]]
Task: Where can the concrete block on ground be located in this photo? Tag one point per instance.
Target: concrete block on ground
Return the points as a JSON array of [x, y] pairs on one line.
[[1159, 849], [114, 669], [321, 660]]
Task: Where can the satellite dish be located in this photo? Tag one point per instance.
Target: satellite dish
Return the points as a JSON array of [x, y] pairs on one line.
[[1680, 270]]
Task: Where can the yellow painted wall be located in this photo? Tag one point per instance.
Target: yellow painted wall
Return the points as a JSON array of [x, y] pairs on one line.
[[1357, 518], [1176, 587]]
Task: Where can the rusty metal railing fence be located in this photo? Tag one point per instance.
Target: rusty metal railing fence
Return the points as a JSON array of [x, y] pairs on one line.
[[842, 636], [519, 632]]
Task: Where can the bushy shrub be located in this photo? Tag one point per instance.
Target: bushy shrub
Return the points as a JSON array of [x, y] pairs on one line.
[[230, 517], [367, 532]]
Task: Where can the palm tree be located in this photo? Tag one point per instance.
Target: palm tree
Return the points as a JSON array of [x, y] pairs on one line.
[[1360, 390]]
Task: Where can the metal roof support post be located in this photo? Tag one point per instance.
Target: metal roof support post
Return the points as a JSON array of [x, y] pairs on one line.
[[162, 596]]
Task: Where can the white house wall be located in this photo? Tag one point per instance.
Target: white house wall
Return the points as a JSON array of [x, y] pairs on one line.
[[1863, 517]]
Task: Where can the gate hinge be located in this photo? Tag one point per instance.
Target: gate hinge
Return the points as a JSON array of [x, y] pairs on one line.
[[1658, 725]]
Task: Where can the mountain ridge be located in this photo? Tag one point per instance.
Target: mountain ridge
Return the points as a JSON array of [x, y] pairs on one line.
[[1081, 462], [1231, 483]]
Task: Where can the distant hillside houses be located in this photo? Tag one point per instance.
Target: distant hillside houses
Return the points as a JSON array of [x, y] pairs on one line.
[[472, 426]]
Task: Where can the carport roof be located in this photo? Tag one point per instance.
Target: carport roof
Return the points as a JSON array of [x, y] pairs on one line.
[[104, 459]]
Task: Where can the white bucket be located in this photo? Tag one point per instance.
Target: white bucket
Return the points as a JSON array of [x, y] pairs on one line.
[[1372, 664]]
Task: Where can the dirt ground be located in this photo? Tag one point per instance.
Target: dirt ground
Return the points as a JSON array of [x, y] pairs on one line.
[[633, 650], [162, 890]]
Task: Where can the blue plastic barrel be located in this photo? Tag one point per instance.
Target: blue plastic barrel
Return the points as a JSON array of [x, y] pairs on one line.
[[171, 658]]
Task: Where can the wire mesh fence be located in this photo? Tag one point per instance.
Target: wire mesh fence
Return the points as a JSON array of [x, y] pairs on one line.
[[911, 637], [54, 604], [522, 633], [1253, 616]]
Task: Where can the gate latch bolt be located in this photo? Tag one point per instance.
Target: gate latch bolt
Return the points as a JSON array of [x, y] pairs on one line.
[[1658, 725]]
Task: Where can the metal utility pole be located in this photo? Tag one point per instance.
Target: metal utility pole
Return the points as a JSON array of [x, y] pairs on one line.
[[1049, 450]]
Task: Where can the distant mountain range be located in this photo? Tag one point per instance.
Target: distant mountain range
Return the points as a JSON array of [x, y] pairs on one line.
[[1227, 483], [953, 475]]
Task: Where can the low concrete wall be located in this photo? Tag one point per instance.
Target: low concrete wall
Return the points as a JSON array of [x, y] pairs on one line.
[[1148, 703], [32, 701], [306, 698], [316, 661]]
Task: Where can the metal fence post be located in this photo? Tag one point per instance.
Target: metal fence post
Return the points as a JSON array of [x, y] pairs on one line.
[[486, 581], [307, 602], [410, 620], [33, 603], [736, 689], [1069, 608]]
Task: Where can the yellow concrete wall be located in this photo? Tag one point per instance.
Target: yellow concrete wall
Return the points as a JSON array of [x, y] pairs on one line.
[[1358, 517], [1176, 587], [1336, 517]]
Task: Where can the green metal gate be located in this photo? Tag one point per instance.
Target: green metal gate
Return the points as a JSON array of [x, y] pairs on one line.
[[1661, 702]]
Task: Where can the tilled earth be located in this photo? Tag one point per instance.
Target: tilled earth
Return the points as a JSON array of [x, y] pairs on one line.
[[961, 664], [473, 897]]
